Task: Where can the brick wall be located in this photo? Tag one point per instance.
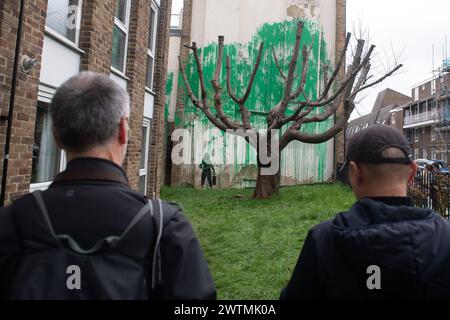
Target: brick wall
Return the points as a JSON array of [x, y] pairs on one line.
[[19, 168], [397, 119], [97, 22], [181, 93], [340, 41], [156, 164], [424, 90], [96, 42], [136, 72]]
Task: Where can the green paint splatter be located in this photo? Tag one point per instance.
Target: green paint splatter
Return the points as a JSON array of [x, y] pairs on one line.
[[169, 88], [299, 161]]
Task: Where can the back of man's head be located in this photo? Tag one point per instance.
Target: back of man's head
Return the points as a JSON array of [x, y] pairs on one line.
[[380, 162], [86, 111]]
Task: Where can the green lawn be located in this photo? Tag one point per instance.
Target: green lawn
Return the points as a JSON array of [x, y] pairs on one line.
[[252, 245]]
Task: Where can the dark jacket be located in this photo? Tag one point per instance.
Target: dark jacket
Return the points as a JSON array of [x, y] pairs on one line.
[[96, 206], [410, 246]]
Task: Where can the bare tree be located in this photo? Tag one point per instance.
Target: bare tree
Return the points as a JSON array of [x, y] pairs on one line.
[[340, 88]]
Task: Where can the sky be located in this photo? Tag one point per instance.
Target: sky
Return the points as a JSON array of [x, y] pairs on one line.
[[406, 29]]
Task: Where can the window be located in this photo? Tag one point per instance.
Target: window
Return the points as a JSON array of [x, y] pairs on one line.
[[416, 153], [433, 134], [120, 35], [433, 86], [143, 167], [416, 93], [416, 135], [63, 17], [46, 155], [151, 46]]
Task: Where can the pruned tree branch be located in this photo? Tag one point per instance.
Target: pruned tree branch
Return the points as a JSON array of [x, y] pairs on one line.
[[218, 90], [202, 106], [337, 91], [275, 58]]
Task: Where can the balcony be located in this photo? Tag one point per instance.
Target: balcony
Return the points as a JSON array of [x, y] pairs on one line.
[[421, 119]]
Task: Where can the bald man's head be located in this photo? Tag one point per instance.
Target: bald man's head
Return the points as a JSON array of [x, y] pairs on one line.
[[384, 179], [388, 173]]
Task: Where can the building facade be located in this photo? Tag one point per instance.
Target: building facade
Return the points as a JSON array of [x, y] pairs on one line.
[[124, 39], [427, 118], [387, 110], [244, 25]]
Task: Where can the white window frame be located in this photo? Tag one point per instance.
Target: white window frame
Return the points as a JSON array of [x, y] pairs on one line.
[[63, 39], [433, 134], [433, 86], [62, 164], [150, 52], [416, 135], [416, 94], [144, 171], [125, 28]]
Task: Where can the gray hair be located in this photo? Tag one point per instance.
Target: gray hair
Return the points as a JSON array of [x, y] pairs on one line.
[[86, 110]]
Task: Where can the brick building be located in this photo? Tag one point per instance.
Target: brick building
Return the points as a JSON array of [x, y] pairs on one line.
[[125, 39], [387, 110], [427, 117]]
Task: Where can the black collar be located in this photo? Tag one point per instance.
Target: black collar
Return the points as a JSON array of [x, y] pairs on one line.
[[394, 201], [91, 169]]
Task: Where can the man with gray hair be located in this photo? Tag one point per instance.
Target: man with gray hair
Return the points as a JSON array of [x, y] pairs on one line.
[[89, 236]]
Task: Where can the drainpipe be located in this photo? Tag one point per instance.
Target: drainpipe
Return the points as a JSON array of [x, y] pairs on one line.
[[11, 104]]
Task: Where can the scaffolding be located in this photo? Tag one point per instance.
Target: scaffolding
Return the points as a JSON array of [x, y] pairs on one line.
[[441, 100]]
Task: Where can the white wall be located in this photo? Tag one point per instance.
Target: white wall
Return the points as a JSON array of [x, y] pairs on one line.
[[59, 62], [173, 66], [239, 20]]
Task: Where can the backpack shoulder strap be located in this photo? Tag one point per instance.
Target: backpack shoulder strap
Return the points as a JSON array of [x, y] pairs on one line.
[[69, 242], [43, 211], [161, 218], [158, 218]]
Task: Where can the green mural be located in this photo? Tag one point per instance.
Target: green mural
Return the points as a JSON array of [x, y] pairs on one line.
[[303, 163], [169, 88]]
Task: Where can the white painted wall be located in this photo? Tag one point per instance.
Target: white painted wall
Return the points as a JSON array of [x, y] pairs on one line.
[[59, 62], [238, 20], [173, 67], [149, 102], [119, 80]]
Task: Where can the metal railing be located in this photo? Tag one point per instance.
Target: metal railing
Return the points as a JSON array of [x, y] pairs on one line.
[[427, 190], [431, 189], [421, 117]]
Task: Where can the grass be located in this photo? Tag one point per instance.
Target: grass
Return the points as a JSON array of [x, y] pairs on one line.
[[252, 245]]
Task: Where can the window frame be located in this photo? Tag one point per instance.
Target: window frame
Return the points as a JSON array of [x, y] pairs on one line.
[[143, 172], [151, 52], [62, 164], [62, 38], [125, 28]]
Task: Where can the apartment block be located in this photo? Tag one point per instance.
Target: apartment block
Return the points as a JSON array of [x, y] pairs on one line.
[[124, 39], [427, 117]]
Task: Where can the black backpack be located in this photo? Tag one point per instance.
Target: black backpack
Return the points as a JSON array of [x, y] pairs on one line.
[[53, 266]]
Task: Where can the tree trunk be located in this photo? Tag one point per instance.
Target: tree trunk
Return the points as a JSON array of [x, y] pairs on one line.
[[266, 186]]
